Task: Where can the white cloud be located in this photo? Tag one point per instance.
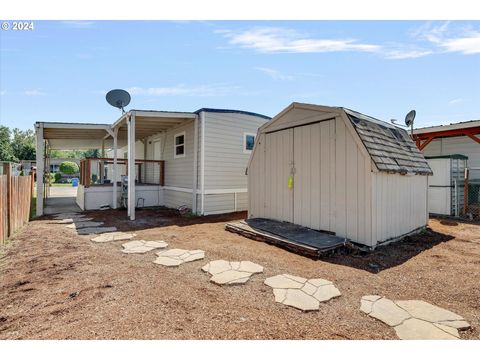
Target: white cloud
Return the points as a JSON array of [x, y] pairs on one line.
[[468, 44], [3, 92], [185, 90], [278, 40], [456, 101], [274, 74], [406, 54], [79, 24], [464, 41], [430, 38], [34, 93]]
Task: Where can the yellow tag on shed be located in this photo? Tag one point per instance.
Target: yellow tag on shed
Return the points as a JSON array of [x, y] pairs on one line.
[[290, 182]]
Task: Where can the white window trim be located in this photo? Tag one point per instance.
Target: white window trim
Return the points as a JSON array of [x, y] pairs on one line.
[[245, 134], [175, 156]]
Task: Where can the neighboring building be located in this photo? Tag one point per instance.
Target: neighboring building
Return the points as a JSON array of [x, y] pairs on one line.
[[459, 138], [54, 163], [448, 145], [336, 170]]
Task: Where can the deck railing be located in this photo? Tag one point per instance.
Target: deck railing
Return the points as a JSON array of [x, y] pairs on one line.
[[99, 171]]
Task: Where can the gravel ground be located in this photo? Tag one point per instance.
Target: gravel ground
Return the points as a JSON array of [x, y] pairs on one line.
[[58, 285]]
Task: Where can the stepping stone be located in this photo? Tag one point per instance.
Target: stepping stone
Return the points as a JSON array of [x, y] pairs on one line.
[[415, 329], [414, 319], [72, 220], [301, 293], [113, 236], [142, 246], [387, 311], [68, 215], [428, 312], [95, 230], [81, 225], [176, 257], [231, 272]]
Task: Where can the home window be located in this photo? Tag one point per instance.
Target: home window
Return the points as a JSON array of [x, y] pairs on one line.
[[248, 142], [179, 145]]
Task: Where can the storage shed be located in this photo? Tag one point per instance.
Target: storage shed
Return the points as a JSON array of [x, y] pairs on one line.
[[336, 170]]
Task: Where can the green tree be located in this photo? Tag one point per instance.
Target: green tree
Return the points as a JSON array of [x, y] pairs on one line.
[[6, 151], [69, 168], [23, 144], [92, 153]]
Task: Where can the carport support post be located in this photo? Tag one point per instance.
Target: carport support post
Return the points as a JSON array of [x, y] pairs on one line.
[[40, 167], [131, 166], [115, 169]]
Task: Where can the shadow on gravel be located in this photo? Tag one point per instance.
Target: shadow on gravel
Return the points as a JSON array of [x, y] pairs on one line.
[[391, 255]]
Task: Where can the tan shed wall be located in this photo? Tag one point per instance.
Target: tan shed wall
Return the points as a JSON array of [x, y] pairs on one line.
[[400, 205]]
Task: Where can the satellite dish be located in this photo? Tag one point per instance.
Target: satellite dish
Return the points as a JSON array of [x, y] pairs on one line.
[[118, 98], [410, 117]]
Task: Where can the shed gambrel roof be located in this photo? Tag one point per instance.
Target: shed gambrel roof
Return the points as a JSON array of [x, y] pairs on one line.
[[390, 147]]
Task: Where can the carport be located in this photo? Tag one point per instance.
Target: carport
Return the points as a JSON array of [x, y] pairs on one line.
[[63, 136]]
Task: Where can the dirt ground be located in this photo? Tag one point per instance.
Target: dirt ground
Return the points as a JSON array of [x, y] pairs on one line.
[[55, 284]]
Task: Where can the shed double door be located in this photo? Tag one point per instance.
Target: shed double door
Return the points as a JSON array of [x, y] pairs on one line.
[[300, 170]]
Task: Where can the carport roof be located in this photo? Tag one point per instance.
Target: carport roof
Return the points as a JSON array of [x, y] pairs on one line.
[[62, 135]]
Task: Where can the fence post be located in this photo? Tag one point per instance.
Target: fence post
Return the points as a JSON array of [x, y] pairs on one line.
[[32, 191], [465, 193], [7, 170]]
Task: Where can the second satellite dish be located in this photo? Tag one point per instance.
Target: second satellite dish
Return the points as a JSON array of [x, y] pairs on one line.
[[410, 117], [118, 98]]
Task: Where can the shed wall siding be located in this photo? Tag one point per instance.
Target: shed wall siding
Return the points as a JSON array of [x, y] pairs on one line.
[[352, 183], [256, 180], [400, 205]]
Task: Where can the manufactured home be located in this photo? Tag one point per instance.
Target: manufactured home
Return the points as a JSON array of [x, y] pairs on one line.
[[195, 160], [339, 171]]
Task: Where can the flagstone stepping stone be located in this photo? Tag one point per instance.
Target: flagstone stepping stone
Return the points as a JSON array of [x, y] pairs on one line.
[[113, 236], [142, 246], [85, 224], [231, 272], [68, 215], [414, 319], [95, 230], [176, 257], [301, 293], [73, 220]]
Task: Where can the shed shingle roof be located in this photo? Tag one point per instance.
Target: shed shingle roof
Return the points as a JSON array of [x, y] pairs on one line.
[[390, 147]]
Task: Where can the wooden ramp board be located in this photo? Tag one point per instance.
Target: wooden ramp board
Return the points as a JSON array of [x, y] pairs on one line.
[[293, 237]]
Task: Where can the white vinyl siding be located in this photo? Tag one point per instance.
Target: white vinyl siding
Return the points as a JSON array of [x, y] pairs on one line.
[[225, 160], [462, 145]]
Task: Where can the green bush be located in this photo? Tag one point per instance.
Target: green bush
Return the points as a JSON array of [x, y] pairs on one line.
[[69, 168], [51, 176], [58, 176]]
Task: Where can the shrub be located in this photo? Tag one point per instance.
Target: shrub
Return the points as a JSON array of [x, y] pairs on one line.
[[58, 176], [69, 168]]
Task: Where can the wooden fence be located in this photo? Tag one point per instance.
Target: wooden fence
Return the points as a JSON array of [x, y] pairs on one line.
[[15, 203]]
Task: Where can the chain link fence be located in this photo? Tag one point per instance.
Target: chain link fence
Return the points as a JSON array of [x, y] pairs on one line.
[[472, 193]]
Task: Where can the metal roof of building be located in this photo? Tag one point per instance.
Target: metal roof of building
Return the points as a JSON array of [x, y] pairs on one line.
[[390, 147]]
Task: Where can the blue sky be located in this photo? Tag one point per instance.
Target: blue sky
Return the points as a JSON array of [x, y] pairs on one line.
[[61, 70]]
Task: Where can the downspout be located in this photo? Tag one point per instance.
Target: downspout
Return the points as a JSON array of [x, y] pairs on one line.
[[202, 160], [195, 165]]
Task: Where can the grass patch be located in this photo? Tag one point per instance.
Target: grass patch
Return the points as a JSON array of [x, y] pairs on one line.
[[61, 185]]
